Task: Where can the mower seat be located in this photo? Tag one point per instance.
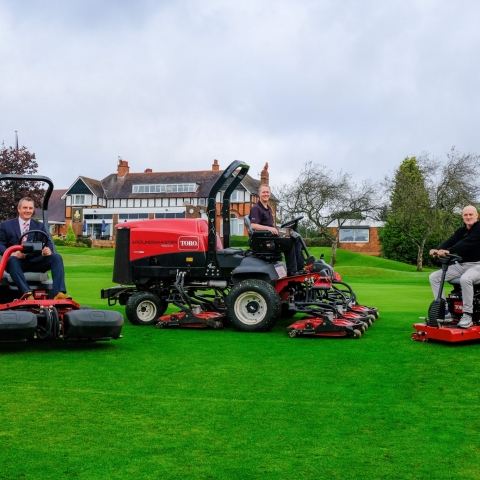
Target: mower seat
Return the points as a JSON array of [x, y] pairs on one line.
[[34, 277], [35, 280], [265, 244], [456, 281]]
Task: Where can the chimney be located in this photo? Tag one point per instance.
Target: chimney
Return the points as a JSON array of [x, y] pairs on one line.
[[148, 170], [122, 168], [264, 177], [215, 166]]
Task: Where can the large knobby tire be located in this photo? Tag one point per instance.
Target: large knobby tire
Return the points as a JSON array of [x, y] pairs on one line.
[[144, 308], [253, 306]]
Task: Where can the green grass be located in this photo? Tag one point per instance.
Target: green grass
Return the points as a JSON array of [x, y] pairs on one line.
[[173, 404]]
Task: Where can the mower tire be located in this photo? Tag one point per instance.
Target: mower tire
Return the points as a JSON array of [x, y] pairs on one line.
[[356, 334], [144, 308], [253, 306]]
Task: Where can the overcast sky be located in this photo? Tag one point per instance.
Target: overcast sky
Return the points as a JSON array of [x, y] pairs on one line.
[[172, 85]]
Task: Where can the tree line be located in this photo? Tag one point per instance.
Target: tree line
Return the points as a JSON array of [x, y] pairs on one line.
[[420, 204]]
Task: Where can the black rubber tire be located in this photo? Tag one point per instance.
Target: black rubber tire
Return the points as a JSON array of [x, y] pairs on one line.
[[253, 306], [357, 334], [144, 308]]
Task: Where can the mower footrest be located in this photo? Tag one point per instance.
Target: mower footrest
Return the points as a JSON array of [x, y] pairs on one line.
[[92, 324], [17, 325]]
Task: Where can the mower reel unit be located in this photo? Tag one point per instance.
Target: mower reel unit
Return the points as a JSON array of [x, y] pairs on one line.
[[435, 327], [44, 318], [182, 263]]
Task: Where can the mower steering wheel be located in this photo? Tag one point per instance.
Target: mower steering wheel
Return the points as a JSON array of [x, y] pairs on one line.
[[292, 223], [35, 237]]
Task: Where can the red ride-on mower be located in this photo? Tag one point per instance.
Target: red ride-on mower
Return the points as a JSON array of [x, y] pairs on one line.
[[44, 318], [435, 326], [182, 262]]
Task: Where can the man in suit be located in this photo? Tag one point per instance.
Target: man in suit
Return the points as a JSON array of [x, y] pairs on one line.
[[11, 232]]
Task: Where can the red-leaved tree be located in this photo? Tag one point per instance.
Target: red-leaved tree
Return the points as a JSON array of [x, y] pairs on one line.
[[18, 162]]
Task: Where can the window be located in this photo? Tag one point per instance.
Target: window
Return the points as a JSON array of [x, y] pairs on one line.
[[165, 188], [354, 235], [170, 215], [78, 199], [237, 196], [98, 216], [133, 216]]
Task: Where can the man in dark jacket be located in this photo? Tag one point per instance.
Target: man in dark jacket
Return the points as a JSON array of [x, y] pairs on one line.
[[11, 232], [261, 218], [466, 243]]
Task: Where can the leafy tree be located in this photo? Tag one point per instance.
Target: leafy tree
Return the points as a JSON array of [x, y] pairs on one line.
[[17, 162], [327, 199], [426, 196]]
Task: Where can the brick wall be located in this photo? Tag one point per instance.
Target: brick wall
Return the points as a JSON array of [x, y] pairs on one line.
[[370, 248]]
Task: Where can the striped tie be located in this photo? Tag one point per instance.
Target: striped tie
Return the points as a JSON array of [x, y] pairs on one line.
[[24, 230]]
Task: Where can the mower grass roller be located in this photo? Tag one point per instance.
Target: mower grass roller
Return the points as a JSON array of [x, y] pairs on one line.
[[182, 262], [435, 326], [44, 318]]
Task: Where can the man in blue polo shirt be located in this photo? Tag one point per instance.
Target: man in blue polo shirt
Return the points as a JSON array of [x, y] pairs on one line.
[[261, 218]]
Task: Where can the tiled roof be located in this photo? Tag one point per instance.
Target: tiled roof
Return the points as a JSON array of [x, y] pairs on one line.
[[56, 208], [121, 187], [114, 186], [94, 185]]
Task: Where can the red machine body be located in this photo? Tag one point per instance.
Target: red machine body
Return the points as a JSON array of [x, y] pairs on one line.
[[447, 333]]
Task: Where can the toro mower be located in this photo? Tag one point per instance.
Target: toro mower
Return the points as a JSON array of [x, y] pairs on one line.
[[43, 318], [436, 326], [183, 262]]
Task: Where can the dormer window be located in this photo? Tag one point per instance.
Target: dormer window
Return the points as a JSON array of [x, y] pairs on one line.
[[165, 188], [78, 199]]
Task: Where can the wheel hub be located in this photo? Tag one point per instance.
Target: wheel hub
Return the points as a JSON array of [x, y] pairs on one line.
[[252, 307]]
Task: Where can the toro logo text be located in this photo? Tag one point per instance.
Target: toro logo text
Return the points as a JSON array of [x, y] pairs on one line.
[[188, 243]]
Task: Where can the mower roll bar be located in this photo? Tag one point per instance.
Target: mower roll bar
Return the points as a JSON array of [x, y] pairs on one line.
[[34, 178], [212, 208]]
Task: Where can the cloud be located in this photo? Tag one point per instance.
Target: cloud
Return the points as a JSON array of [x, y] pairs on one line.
[[172, 85]]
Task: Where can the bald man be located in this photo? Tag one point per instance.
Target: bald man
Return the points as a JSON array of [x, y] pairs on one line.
[[466, 243]]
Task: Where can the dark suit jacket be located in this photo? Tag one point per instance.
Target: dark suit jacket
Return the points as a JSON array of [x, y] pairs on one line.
[[10, 235]]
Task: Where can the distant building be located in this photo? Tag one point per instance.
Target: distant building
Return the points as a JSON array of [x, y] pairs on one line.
[[99, 205], [360, 236]]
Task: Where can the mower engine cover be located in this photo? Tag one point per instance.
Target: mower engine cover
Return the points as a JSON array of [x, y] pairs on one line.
[[17, 325], [92, 324]]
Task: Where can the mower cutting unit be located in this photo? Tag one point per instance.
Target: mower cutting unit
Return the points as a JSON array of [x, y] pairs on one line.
[[435, 327], [182, 262], [329, 306], [44, 318]]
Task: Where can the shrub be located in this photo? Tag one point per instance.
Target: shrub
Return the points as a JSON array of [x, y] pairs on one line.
[[238, 241], [84, 242], [59, 241], [71, 237], [317, 242]]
